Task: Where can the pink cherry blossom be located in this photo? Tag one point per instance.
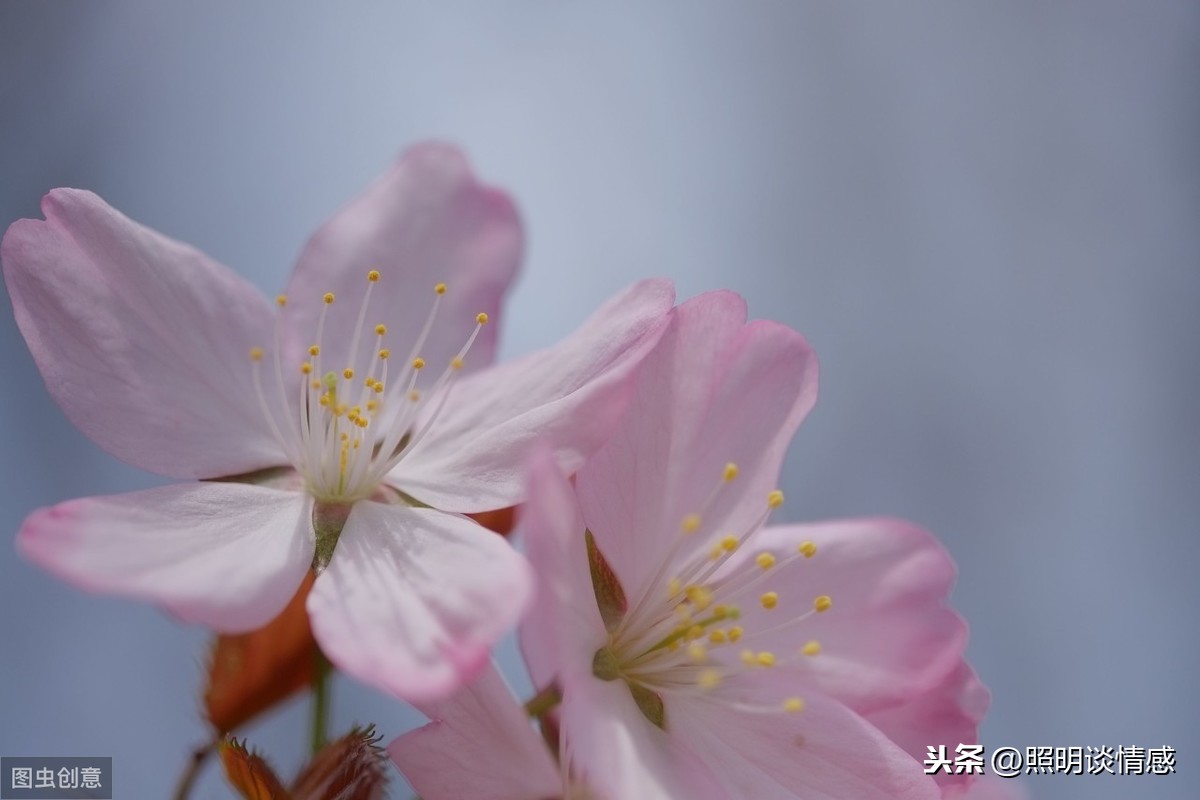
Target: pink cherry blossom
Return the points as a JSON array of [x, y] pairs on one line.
[[359, 410], [702, 655]]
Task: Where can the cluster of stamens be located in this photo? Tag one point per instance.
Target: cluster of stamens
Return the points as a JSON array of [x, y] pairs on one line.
[[688, 634], [352, 423]]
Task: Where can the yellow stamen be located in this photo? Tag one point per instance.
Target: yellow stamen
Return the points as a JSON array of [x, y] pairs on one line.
[[256, 353], [769, 600], [765, 658], [380, 329], [808, 549], [306, 368], [384, 353], [697, 652], [440, 288], [708, 679], [348, 373], [691, 523], [717, 636], [793, 705], [775, 499], [373, 275], [729, 543], [327, 298], [314, 350], [418, 363], [456, 363], [735, 633], [765, 560], [811, 648], [281, 300], [823, 603], [481, 318], [731, 471]]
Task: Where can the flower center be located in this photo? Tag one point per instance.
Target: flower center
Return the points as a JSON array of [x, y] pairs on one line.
[[350, 423], [710, 615]]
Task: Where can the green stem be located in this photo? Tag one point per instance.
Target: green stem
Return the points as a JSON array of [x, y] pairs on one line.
[[192, 771], [542, 702], [320, 703]]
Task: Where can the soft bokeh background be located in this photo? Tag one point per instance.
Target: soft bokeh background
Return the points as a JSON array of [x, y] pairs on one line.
[[986, 217]]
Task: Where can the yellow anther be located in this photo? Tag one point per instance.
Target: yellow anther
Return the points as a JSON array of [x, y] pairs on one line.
[[693, 633], [673, 646], [731, 471], [793, 705], [369, 382], [748, 658], [481, 318], [384, 353], [775, 499], [372, 405], [314, 350], [823, 603], [256, 353], [373, 275], [440, 288], [328, 298], [691, 523], [340, 409], [380, 329], [456, 363], [306, 368], [414, 396], [348, 373], [729, 543], [699, 597], [715, 552], [674, 587], [708, 679], [811, 648], [765, 560], [808, 549], [281, 300], [720, 611], [765, 658], [717, 636], [361, 422], [378, 387], [769, 599], [324, 400], [418, 363], [735, 633], [697, 652]]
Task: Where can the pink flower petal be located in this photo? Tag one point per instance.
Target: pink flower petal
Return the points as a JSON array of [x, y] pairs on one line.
[[414, 598], [226, 555], [612, 749], [825, 752], [426, 221], [889, 635], [479, 746], [948, 714], [714, 391], [571, 395], [144, 342], [563, 624]]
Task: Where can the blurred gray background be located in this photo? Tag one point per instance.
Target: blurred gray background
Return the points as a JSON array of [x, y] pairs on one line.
[[985, 217]]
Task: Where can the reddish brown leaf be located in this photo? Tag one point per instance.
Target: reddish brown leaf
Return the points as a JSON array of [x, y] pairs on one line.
[[501, 520], [252, 672], [351, 768], [249, 773]]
